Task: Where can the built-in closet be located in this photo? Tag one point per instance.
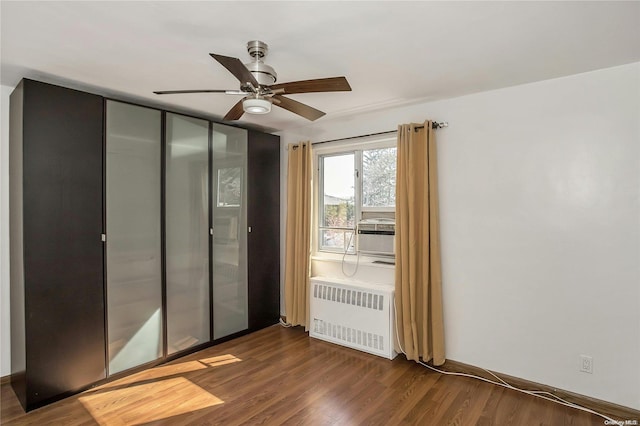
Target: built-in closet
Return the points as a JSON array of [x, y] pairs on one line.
[[137, 235]]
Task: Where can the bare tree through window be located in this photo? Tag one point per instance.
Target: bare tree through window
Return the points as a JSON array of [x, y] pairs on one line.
[[379, 177]]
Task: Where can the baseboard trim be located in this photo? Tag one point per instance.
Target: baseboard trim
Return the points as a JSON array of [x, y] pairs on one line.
[[615, 411], [5, 380]]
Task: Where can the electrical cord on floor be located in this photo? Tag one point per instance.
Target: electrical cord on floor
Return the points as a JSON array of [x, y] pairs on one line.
[[345, 255], [284, 324], [501, 382]]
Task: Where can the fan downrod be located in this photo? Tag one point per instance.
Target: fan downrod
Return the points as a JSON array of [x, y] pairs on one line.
[[263, 73], [257, 49]]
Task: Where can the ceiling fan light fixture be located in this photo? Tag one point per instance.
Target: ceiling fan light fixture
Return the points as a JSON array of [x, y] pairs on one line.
[[256, 105]]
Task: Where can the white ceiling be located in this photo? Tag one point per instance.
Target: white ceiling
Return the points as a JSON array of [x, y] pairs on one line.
[[393, 53]]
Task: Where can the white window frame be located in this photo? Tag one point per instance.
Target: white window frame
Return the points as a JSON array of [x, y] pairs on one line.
[[355, 146]]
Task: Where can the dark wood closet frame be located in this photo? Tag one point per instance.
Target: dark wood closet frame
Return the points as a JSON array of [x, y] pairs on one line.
[[263, 303], [44, 143]]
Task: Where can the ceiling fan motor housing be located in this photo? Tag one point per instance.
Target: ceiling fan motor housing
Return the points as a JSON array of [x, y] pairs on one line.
[[263, 73]]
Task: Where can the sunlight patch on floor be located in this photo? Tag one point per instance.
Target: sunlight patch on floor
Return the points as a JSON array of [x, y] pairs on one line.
[[147, 402], [220, 360]]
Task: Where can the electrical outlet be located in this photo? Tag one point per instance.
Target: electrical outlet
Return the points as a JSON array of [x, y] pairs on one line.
[[586, 364]]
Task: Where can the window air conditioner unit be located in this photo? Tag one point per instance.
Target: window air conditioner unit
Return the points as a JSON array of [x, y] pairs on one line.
[[377, 237]]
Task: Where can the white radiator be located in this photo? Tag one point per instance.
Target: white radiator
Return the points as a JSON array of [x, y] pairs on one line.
[[355, 315]]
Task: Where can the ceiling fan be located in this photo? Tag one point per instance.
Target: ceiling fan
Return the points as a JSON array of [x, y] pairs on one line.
[[259, 88]]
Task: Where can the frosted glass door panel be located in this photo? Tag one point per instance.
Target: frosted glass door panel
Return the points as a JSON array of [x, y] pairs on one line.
[[187, 232], [229, 246], [134, 263]]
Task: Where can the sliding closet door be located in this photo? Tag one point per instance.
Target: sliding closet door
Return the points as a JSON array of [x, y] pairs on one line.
[[134, 262], [187, 232], [229, 243]]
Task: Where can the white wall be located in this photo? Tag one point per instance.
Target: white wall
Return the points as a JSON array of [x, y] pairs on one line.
[[5, 330], [539, 190]]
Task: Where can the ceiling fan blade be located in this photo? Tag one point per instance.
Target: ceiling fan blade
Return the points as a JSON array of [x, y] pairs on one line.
[[174, 92], [297, 107], [235, 112], [331, 84], [236, 68]]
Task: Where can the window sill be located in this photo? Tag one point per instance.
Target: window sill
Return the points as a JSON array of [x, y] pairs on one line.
[[369, 261]]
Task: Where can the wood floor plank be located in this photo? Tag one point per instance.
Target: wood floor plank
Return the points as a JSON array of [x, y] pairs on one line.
[[281, 376]]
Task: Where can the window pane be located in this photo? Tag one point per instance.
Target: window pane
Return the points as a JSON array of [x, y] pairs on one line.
[[339, 194], [379, 177], [337, 239]]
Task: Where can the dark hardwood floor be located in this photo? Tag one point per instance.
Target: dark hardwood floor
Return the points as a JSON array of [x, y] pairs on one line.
[[281, 376]]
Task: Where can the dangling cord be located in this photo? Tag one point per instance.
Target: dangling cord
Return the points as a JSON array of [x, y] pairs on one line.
[[345, 255]]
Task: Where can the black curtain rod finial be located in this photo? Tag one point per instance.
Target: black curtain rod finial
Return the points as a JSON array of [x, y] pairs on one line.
[[434, 125]]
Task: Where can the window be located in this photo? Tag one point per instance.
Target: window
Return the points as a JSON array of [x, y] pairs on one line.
[[337, 204], [355, 181], [379, 178]]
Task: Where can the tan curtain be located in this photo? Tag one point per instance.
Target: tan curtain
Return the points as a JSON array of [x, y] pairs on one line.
[[298, 240], [418, 273]]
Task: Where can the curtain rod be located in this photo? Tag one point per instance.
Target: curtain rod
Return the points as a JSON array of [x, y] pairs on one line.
[[434, 125]]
